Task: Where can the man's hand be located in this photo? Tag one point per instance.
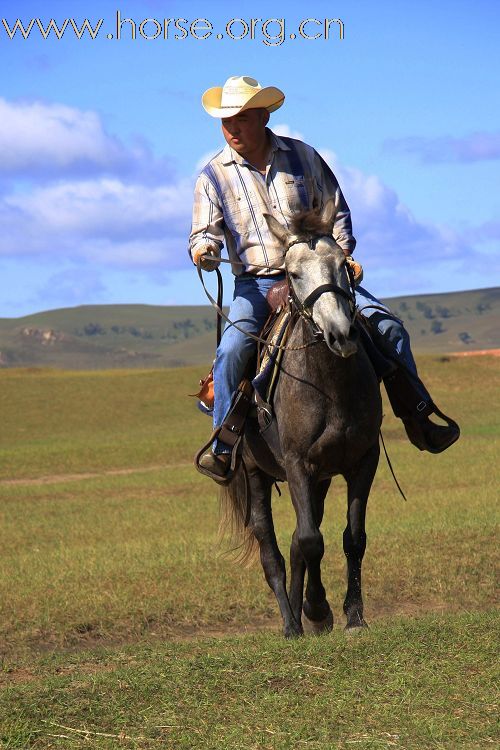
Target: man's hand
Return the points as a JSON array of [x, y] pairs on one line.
[[209, 251], [356, 268]]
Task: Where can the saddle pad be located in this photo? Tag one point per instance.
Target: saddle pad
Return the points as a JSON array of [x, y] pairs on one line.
[[270, 359]]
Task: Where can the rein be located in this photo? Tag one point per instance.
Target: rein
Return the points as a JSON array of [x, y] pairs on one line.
[[240, 263], [303, 309], [222, 314]]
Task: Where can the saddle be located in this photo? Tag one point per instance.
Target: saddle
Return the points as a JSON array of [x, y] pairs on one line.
[[273, 330], [277, 296]]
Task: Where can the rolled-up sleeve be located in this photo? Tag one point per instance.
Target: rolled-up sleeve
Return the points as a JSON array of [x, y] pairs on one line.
[[329, 187], [207, 226]]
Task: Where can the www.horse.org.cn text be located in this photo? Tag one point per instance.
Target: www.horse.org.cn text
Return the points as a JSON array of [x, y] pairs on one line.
[[271, 31]]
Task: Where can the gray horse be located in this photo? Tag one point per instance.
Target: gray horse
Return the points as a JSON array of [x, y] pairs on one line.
[[328, 411]]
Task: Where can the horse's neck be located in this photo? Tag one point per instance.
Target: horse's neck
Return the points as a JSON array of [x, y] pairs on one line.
[[315, 362]]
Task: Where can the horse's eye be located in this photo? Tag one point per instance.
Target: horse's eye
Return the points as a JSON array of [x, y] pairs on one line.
[[293, 275]]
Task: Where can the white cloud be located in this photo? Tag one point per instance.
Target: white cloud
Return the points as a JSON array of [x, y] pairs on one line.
[[103, 220], [75, 192], [91, 207], [473, 147], [72, 287], [105, 217], [32, 133], [286, 130], [396, 248], [42, 140]]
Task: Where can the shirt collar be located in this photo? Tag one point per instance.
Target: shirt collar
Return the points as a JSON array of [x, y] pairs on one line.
[[278, 143], [229, 156]]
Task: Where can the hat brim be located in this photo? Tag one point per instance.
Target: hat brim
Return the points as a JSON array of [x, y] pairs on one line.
[[269, 98]]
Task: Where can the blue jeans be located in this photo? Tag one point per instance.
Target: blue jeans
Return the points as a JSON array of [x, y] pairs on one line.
[[390, 336], [249, 310]]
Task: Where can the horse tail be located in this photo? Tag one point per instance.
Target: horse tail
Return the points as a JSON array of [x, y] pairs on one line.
[[234, 508]]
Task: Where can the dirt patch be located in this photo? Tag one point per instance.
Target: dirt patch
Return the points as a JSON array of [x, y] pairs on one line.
[[181, 634], [477, 353], [186, 632], [61, 478], [22, 675], [15, 676]]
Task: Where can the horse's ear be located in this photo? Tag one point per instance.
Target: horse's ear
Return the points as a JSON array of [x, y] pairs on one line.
[[329, 212], [279, 231]]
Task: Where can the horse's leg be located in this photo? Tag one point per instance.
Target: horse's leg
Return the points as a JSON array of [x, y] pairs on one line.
[[273, 563], [297, 562], [297, 575], [359, 482], [304, 491]]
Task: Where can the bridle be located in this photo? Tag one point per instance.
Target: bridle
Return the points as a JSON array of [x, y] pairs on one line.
[[304, 309], [298, 309]]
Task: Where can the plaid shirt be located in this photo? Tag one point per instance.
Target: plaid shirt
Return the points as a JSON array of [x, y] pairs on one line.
[[231, 197]]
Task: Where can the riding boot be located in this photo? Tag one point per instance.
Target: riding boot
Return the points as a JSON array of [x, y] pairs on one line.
[[408, 404], [219, 464], [410, 400]]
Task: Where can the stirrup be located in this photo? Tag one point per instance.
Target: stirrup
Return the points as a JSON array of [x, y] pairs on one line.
[[416, 434], [233, 466], [230, 432]]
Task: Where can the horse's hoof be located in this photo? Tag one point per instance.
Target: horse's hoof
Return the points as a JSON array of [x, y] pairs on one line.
[[317, 627], [356, 627], [295, 631]]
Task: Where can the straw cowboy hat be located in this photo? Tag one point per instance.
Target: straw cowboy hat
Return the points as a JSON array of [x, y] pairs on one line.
[[240, 93]]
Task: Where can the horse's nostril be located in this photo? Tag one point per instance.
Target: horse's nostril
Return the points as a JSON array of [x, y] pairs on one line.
[[330, 339]]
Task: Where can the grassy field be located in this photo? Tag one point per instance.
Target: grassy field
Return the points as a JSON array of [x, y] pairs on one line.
[[123, 625]]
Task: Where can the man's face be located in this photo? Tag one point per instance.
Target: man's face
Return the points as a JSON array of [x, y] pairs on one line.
[[246, 131]]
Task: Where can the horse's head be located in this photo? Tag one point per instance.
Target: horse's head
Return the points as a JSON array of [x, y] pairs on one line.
[[317, 274]]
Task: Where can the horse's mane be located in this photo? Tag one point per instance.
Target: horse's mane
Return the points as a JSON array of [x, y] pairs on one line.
[[309, 224]]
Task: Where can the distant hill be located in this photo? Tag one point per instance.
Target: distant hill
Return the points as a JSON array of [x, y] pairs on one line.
[[107, 336]]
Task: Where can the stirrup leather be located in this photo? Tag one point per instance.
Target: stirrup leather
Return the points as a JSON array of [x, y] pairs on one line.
[[230, 432]]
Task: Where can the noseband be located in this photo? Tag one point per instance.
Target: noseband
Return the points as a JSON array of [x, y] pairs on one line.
[[305, 308]]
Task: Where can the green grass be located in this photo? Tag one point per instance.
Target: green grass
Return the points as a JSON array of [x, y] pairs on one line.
[[57, 422], [109, 580], [427, 683]]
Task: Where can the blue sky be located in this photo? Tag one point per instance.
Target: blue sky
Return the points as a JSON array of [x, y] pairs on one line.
[[101, 140]]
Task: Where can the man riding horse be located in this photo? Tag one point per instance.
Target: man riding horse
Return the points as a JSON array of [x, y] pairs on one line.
[[258, 173]]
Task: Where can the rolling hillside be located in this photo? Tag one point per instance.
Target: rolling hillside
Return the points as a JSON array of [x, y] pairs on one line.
[[107, 336]]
